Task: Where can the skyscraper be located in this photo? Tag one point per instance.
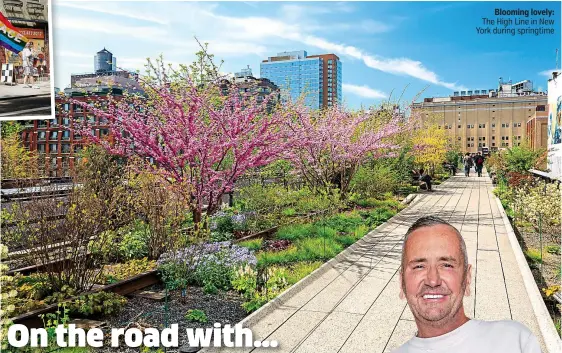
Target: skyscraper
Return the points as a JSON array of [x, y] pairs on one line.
[[318, 78]]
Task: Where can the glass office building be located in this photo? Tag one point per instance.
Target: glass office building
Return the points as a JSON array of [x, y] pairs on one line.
[[301, 76]]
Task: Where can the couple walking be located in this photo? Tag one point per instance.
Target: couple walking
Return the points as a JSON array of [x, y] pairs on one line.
[[473, 160]]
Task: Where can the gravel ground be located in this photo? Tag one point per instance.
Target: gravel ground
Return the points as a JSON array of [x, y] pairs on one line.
[[223, 307]]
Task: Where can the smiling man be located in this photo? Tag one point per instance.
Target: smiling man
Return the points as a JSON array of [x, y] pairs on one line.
[[435, 276]]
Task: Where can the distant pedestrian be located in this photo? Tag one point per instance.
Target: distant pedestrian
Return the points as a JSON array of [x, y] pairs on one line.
[[467, 162], [479, 163]]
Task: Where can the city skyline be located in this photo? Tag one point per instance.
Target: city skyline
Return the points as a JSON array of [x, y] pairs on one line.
[[385, 51]]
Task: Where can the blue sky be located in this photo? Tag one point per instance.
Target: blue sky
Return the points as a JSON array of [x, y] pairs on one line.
[[385, 47]]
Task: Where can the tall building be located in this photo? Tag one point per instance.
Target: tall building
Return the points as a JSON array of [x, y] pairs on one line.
[[486, 120], [316, 78]]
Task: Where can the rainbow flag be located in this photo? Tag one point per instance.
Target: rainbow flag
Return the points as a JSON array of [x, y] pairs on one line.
[[9, 37]]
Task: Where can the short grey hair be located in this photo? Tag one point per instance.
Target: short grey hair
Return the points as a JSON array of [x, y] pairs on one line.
[[429, 221]]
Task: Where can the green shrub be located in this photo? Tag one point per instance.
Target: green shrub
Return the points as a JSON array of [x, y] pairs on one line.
[[104, 303], [289, 212], [553, 249], [346, 240], [134, 244], [196, 315], [342, 223], [254, 244], [296, 231], [521, 158], [534, 255], [373, 180], [118, 272], [300, 270], [245, 281], [326, 232], [360, 231], [377, 216], [317, 249], [266, 258]]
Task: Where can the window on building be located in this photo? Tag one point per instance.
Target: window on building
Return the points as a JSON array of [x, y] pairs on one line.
[[77, 148], [53, 148], [459, 138], [507, 138], [479, 144], [493, 137], [518, 124], [53, 135], [541, 108], [65, 148], [66, 135], [493, 125], [41, 135], [493, 144], [41, 148], [468, 145], [468, 138], [41, 123], [458, 126]]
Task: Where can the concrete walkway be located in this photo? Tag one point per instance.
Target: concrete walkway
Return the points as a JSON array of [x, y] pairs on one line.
[[351, 304], [20, 91]]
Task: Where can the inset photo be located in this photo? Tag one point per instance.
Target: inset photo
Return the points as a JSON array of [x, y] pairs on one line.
[[26, 86]]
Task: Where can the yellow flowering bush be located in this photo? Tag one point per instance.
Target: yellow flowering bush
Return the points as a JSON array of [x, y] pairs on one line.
[[7, 296], [540, 201]]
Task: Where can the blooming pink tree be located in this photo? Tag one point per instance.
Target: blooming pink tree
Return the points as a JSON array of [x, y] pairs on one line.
[[198, 140], [333, 143]]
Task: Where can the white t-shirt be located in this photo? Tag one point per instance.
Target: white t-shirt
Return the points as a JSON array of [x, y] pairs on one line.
[[26, 56], [477, 336]]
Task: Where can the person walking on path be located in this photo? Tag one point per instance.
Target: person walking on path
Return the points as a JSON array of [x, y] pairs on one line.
[[435, 277], [467, 162], [27, 64], [479, 163]]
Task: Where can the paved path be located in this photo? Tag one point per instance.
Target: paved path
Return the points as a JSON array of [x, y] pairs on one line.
[[353, 306]]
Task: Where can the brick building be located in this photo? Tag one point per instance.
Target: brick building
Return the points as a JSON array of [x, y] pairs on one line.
[[487, 120]]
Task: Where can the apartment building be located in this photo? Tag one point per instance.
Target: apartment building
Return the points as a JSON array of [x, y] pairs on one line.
[[487, 120], [317, 78]]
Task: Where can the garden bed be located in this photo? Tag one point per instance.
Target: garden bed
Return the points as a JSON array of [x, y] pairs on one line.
[[223, 307]]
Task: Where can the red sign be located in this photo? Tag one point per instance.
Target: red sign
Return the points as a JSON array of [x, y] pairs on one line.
[[32, 33]]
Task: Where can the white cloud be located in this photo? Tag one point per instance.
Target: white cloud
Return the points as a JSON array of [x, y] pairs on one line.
[[73, 54], [363, 91], [113, 9], [548, 73], [371, 26], [232, 36], [112, 28], [244, 28]]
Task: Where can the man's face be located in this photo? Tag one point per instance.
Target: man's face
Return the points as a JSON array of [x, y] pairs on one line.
[[434, 278]]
